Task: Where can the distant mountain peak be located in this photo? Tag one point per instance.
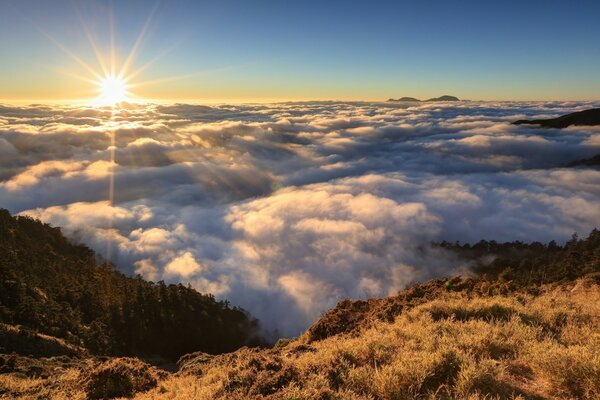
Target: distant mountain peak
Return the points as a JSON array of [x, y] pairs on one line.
[[405, 99], [444, 98], [412, 99]]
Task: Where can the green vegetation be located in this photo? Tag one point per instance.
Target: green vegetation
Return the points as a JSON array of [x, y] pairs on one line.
[[530, 264], [51, 286]]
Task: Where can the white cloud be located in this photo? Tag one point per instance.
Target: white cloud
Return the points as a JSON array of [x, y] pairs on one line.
[[146, 268], [286, 208], [184, 266]]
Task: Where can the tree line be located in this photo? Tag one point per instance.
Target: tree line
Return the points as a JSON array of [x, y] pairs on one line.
[[532, 263], [59, 288]]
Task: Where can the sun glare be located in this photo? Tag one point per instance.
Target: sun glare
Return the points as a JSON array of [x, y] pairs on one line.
[[112, 90]]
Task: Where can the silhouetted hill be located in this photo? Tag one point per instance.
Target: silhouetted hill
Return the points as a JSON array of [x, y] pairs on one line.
[[587, 117], [53, 287], [444, 98], [588, 162], [405, 99], [412, 99]]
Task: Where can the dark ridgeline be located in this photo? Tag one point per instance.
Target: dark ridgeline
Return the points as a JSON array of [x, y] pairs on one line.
[[408, 99], [444, 98], [412, 99], [532, 264], [58, 288], [581, 118], [587, 117], [586, 162]]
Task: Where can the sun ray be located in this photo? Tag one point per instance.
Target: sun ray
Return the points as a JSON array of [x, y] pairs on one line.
[[161, 80], [79, 77], [136, 46], [141, 69], [63, 48], [179, 77], [112, 79], [113, 51], [92, 42], [73, 56]]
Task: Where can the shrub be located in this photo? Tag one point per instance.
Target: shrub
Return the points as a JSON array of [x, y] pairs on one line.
[[120, 377]]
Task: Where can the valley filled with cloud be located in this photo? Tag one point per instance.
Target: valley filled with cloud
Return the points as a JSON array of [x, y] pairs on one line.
[[286, 208]]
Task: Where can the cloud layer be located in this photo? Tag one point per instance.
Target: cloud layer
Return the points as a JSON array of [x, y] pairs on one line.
[[286, 208]]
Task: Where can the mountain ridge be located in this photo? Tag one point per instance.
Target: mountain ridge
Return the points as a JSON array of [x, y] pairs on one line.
[[589, 117], [433, 99]]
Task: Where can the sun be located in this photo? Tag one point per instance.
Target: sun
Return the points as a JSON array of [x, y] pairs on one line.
[[113, 78], [113, 90]]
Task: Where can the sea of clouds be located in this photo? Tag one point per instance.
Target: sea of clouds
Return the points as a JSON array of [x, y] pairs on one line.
[[284, 209]]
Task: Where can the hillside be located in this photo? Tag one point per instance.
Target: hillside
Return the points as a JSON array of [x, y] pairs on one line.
[[412, 99], [50, 286], [582, 118], [409, 99], [444, 98], [587, 117], [448, 344], [588, 162], [527, 326]]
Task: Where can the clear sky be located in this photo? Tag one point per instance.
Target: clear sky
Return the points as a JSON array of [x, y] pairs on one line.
[[284, 50]]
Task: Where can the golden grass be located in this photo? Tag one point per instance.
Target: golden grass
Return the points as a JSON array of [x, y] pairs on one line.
[[63, 386], [517, 346]]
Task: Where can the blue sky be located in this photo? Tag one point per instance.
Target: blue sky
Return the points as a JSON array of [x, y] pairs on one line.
[[281, 50]]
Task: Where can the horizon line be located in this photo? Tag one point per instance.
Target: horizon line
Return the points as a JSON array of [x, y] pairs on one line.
[[87, 101]]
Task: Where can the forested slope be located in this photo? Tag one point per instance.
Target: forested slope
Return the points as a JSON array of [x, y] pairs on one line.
[[52, 286]]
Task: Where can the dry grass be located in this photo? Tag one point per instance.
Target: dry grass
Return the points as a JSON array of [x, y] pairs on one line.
[[452, 347], [80, 379], [62, 386]]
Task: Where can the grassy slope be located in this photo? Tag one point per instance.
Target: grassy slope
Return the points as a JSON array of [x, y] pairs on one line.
[[429, 342]]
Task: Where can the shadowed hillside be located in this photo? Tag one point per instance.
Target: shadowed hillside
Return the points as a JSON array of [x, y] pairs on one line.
[[588, 162], [587, 117], [52, 287]]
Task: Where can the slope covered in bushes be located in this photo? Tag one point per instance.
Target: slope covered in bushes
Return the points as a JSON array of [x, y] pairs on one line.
[[57, 288]]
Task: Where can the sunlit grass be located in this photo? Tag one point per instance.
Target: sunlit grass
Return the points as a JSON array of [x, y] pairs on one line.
[[456, 346]]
